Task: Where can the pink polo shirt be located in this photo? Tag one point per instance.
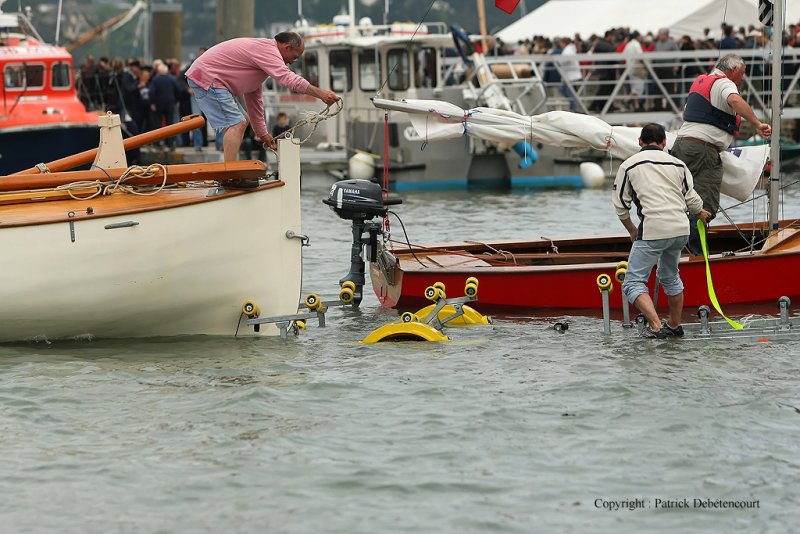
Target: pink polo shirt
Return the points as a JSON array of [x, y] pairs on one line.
[[241, 66]]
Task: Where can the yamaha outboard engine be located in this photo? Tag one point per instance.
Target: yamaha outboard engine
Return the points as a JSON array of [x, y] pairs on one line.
[[360, 201]]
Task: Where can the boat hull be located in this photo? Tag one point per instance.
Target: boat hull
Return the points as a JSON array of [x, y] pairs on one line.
[[179, 270], [22, 148], [738, 280]]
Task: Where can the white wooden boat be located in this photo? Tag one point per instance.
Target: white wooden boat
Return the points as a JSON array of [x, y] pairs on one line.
[[181, 261]]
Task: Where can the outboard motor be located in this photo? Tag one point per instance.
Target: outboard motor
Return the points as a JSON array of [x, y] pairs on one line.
[[360, 201]]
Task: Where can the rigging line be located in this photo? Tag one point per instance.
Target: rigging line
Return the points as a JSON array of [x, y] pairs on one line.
[[408, 47], [756, 197], [735, 226]]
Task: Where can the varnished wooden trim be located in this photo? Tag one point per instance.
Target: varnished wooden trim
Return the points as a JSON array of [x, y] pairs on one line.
[[35, 213]]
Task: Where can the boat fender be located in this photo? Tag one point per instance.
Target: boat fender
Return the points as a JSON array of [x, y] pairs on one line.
[[592, 174], [361, 167], [528, 155]]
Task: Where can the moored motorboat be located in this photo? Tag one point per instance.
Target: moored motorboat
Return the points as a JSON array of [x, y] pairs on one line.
[[41, 117]]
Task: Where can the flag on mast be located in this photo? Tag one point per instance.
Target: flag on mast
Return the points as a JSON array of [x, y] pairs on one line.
[[765, 12], [506, 5]]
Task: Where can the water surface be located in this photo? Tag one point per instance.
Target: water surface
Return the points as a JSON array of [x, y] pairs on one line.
[[511, 427]]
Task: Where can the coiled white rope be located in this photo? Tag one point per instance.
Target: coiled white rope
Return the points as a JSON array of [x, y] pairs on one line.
[[112, 186], [310, 118]]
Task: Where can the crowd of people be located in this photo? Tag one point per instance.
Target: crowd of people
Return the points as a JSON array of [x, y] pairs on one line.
[[641, 89], [146, 96], [728, 38]]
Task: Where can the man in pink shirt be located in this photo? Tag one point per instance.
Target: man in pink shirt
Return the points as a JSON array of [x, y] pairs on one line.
[[240, 67]]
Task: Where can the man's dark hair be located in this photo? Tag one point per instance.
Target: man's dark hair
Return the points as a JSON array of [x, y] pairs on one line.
[[293, 39], [653, 134]]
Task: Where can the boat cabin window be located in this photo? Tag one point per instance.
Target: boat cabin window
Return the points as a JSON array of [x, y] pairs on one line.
[[369, 70], [397, 61], [341, 71], [425, 68], [310, 67], [60, 75], [23, 76]]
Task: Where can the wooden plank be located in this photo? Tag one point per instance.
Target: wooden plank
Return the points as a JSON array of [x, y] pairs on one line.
[[189, 172], [41, 195], [456, 260]]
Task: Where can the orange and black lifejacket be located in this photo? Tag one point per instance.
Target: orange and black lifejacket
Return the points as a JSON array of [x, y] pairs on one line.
[[699, 109]]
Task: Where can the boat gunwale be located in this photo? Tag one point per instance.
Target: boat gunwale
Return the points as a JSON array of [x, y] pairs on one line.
[[58, 211]]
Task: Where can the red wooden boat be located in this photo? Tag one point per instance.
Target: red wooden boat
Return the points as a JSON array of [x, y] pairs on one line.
[[562, 274], [41, 117]]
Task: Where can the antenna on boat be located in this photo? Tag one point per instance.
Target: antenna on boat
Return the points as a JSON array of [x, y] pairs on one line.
[[351, 6], [58, 21], [775, 149]]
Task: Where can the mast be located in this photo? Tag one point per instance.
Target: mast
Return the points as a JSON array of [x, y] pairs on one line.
[[482, 21], [775, 140]]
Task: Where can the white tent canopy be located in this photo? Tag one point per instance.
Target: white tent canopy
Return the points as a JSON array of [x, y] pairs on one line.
[[560, 18]]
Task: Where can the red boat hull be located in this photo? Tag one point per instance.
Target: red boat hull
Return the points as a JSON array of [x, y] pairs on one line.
[[741, 279]]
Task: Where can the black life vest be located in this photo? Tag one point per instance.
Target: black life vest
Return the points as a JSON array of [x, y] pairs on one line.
[[699, 109]]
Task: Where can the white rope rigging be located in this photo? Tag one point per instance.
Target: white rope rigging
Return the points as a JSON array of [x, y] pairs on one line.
[[112, 186]]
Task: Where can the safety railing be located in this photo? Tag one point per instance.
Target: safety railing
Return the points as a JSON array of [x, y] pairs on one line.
[[625, 89]]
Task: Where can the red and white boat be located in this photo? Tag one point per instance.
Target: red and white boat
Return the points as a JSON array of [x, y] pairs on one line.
[[41, 118], [561, 274]]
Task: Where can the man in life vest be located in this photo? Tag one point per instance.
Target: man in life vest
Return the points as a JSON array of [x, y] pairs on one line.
[[711, 119]]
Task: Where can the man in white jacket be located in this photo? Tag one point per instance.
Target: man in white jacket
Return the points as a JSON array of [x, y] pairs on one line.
[[661, 188]]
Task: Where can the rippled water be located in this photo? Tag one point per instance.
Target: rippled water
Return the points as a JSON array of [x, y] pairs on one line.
[[507, 428]]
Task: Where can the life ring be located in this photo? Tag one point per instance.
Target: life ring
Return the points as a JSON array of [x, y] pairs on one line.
[[464, 46]]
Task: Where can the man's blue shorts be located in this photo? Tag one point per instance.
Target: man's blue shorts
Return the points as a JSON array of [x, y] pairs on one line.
[[646, 254], [220, 107]]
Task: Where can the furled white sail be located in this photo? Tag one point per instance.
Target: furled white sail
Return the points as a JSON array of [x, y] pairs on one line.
[[435, 120]]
